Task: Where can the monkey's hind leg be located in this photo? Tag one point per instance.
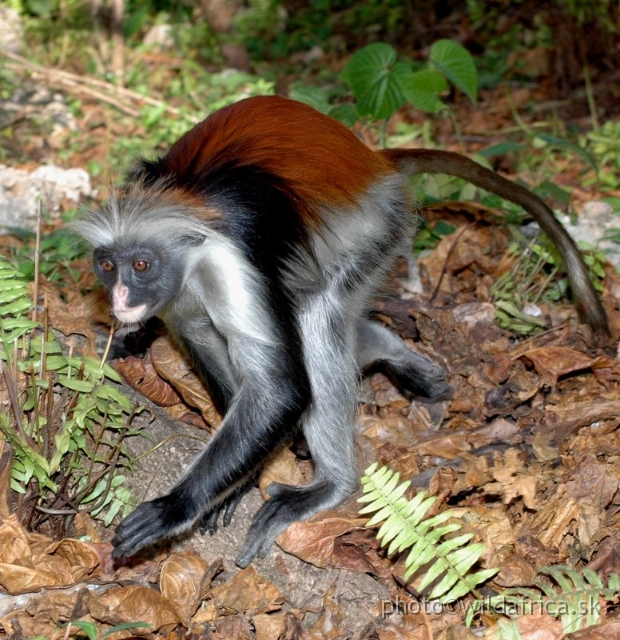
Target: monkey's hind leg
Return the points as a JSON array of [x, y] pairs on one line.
[[377, 345], [329, 347]]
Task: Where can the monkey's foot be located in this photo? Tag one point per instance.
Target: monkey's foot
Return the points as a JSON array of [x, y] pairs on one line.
[[151, 522], [421, 377], [286, 505]]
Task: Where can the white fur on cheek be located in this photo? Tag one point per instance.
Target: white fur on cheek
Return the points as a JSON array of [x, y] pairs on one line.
[[231, 291]]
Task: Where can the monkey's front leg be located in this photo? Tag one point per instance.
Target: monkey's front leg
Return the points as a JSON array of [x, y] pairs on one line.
[[269, 401]]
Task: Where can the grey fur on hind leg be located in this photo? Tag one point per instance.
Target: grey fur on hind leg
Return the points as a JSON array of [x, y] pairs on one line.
[[377, 345]]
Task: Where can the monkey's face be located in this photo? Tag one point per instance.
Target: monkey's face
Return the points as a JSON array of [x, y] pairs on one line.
[[141, 279]]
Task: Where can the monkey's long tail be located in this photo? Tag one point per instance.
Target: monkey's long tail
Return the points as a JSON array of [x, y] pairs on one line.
[[416, 161]]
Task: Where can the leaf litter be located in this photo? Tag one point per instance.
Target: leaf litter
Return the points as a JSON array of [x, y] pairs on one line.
[[526, 451]]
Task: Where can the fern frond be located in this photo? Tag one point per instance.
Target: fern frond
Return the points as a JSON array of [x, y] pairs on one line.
[[576, 600], [405, 526], [15, 302]]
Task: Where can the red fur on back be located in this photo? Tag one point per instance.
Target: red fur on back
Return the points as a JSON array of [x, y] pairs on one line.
[[322, 160]]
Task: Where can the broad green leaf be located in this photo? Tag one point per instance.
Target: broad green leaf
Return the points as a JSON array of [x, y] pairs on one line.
[[592, 577], [380, 516], [311, 95], [463, 559], [422, 88], [41, 8], [375, 79], [366, 66], [111, 373], [457, 64], [99, 488], [344, 113], [481, 576]]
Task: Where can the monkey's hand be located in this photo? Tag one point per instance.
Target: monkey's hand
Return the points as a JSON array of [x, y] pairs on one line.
[[209, 522], [149, 523]]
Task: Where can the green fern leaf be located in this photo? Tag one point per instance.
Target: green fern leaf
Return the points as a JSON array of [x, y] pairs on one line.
[[593, 578], [462, 588], [575, 601], [444, 587], [405, 526]]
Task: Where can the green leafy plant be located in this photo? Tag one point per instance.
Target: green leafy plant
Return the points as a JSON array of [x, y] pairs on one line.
[[604, 145], [58, 251], [535, 277], [381, 84], [64, 419], [446, 560], [575, 598]]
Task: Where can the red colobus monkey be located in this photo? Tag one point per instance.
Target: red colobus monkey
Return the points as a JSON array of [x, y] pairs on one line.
[[259, 239]]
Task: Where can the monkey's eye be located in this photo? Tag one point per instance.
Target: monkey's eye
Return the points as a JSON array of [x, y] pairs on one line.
[[107, 266], [140, 265]]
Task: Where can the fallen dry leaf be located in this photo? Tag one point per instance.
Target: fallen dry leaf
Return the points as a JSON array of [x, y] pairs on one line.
[[268, 626], [593, 487], [71, 316], [313, 541], [607, 560], [140, 374], [232, 627], [464, 254], [14, 541], [570, 416], [286, 468], [171, 365], [29, 562], [133, 603], [592, 482], [452, 446], [16, 578], [554, 362], [608, 630], [68, 556], [359, 550], [184, 581], [513, 480], [539, 627], [551, 522], [248, 593]]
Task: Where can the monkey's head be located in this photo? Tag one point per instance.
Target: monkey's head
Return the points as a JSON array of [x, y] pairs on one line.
[[141, 278], [145, 243]]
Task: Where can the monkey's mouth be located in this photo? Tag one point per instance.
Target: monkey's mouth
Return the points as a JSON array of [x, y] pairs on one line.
[[130, 315]]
